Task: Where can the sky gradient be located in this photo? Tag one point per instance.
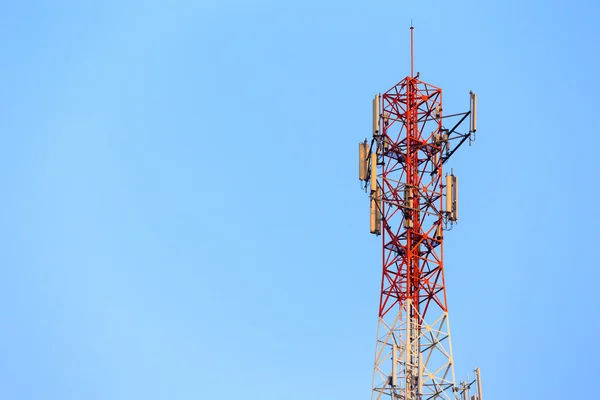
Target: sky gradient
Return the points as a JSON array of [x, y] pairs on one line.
[[181, 216]]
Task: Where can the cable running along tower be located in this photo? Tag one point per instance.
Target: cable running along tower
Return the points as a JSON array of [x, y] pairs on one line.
[[412, 205]]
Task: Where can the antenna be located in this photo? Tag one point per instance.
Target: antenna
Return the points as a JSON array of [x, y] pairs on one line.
[[412, 50]]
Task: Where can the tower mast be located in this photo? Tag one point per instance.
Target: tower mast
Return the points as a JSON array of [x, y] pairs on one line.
[[403, 168]]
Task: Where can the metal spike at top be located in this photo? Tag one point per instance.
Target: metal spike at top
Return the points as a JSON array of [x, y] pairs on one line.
[[412, 52]]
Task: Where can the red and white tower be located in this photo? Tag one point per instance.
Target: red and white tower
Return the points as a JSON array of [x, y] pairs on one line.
[[412, 205]]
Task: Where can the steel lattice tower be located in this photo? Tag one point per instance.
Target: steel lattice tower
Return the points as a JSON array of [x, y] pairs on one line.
[[412, 205]]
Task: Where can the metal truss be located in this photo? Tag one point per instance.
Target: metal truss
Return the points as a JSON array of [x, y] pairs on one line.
[[413, 357]]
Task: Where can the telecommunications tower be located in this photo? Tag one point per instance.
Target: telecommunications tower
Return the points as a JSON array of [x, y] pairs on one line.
[[413, 204]]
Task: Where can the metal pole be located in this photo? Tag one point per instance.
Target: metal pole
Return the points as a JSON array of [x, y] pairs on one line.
[[479, 391], [412, 53]]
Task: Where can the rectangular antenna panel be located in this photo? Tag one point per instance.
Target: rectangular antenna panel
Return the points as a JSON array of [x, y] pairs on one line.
[[373, 171], [473, 112], [363, 152], [376, 115]]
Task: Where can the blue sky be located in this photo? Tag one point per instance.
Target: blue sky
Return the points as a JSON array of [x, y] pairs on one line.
[[181, 217]]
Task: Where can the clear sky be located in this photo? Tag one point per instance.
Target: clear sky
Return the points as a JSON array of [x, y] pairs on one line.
[[181, 216]]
